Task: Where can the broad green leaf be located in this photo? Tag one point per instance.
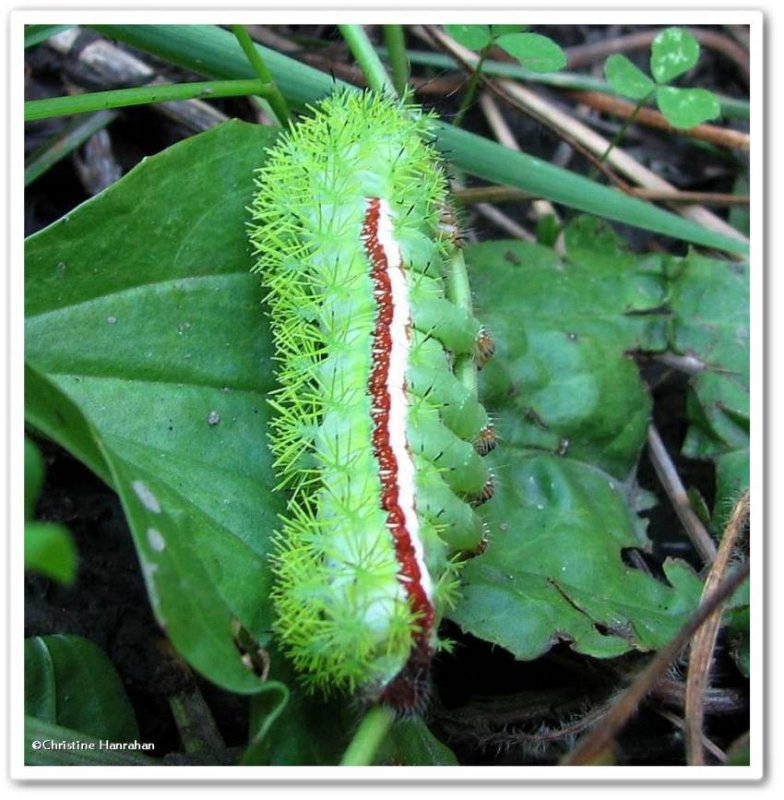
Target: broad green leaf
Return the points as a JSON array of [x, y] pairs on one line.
[[87, 751], [673, 52], [474, 37], [49, 550], [55, 415], [210, 50], [626, 78], [685, 108], [69, 681], [143, 323], [534, 51], [553, 569], [561, 379]]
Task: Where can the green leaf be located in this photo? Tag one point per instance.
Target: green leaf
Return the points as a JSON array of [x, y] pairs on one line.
[[553, 568], [533, 51], [498, 30], [291, 727], [55, 415], [710, 320], [154, 361], [266, 707], [49, 550], [673, 52], [70, 682], [685, 108], [34, 476], [474, 37], [561, 379], [548, 228], [83, 750], [411, 744], [627, 79], [709, 300]]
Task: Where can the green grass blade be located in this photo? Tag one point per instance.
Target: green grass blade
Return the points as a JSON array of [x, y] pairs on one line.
[[215, 52]]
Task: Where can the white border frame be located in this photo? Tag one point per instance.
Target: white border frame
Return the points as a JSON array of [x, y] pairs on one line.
[[350, 12]]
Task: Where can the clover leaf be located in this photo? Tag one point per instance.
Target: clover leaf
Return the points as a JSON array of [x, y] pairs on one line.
[[674, 52]]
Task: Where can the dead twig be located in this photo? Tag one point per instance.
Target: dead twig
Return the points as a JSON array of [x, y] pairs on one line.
[[722, 137], [594, 745], [675, 490], [704, 641]]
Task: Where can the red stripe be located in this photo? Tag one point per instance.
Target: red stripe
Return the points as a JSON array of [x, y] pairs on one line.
[[409, 573]]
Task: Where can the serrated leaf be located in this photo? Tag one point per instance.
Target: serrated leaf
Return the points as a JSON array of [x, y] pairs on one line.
[[553, 568], [709, 300], [157, 351], [673, 52], [561, 378], [626, 78], [710, 320], [685, 108], [474, 37], [534, 51], [69, 681]]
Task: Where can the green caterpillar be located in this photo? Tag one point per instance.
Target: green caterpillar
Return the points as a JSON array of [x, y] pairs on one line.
[[376, 439]]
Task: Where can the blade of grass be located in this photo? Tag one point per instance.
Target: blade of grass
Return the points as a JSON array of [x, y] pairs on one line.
[[275, 99], [64, 143], [213, 51], [372, 731], [361, 47], [395, 37], [35, 34], [142, 95]]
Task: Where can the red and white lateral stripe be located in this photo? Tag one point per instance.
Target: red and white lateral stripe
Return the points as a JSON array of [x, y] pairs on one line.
[[390, 404]]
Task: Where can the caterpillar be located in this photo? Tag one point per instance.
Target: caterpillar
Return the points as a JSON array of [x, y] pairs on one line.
[[377, 442]]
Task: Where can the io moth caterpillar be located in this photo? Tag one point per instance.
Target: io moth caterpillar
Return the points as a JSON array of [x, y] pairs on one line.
[[376, 439]]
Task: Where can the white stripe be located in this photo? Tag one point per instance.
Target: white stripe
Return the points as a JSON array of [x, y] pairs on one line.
[[398, 400]]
